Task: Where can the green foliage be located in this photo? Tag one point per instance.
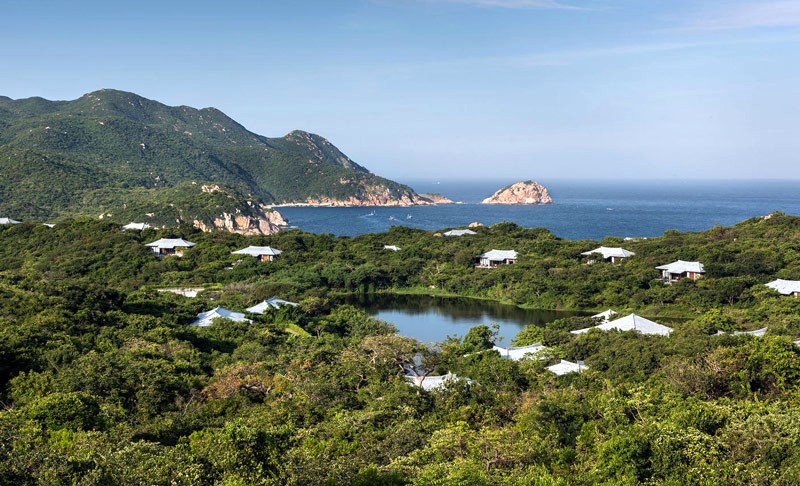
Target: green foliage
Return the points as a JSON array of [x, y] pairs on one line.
[[103, 381], [116, 152]]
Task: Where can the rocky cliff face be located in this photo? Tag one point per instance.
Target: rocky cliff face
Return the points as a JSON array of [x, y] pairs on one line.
[[434, 199], [376, 196], [528, 192], [259, 222]]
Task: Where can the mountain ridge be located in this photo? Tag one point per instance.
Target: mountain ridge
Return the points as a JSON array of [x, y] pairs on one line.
[[115, 139]]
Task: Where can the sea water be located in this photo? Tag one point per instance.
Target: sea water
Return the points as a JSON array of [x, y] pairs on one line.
[[580, 209]]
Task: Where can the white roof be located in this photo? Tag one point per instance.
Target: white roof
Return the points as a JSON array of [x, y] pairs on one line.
[[257, 251], [756, 333], [459, 232], [610, 252], [631, 322], [187, 292], [519, 352], [432, 382], [606, 315], [171, 243], [681, 266], [564, 367], [786, 287], [500, 255], [273, 302], [206, 318], [8, 221], [135, 226], [391, 247]]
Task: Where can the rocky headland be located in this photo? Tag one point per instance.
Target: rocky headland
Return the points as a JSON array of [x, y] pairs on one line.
[[259, 221], [527, 192], [377, 196]]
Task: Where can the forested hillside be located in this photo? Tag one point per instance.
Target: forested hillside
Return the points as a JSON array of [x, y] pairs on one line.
[[54, 155], [103, 381]]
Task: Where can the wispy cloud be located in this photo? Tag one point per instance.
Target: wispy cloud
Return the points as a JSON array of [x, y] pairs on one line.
[[513, 4], [749, 15]]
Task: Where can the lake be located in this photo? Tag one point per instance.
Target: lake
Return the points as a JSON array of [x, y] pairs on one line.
[[433, 319]]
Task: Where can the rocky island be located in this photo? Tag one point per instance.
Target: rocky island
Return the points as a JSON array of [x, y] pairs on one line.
[[527, 192]]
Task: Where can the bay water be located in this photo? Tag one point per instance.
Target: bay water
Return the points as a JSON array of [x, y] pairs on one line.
[[581, 209]]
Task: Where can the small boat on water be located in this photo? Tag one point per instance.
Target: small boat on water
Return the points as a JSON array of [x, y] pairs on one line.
[[371, 214], [408, 216], [392, 218]]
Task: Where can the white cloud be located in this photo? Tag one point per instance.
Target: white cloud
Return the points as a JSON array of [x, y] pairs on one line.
[[750, 15]]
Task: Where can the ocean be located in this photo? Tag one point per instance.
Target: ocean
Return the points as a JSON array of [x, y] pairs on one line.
[[580, 209]]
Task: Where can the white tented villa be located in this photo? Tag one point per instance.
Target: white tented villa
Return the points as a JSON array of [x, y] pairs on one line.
[[631, 322], [434, 382], [206, 318], [606, 315], [680, 269], [8, 221], [459, 232], [263, 253], [786, 287], [135, 226], [564, 367], [613, 255], [170, 246], [495, 258], [516, 353], [273, 303]]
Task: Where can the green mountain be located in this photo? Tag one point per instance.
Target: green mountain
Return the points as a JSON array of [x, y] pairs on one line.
[[110, 150]]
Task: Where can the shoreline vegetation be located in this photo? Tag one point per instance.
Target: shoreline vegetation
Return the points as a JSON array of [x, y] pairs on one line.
[[104, 380]]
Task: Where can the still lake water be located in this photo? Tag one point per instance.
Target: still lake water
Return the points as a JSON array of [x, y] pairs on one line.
[[433, 319], [581, 209]]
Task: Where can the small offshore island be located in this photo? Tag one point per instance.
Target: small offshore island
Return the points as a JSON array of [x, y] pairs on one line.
[[527, 192]]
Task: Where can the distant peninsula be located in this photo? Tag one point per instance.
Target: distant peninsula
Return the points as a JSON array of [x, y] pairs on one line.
[[527, 192], [127, 158]]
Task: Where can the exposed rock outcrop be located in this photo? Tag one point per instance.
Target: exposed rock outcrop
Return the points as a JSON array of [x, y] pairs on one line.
[[375, 196], [434, 199], [528, 192], [260, 222]]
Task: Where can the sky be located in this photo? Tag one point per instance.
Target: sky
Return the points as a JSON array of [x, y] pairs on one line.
[[450, 89]]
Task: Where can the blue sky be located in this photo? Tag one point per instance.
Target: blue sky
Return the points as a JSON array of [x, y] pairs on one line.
[[450, 89]]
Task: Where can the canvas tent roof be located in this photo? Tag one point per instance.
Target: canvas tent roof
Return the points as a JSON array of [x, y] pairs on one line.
[[499, 255], [274, 302], [756, 333], [432, 382], [206, 318], [257, 251], [785, 287], [606, 315], [459, 232], [135, 226], [171, 243], [519, 352], [631, 322], [8, 221], [391, 247], [681, 266], [610, 252], [564, 367]]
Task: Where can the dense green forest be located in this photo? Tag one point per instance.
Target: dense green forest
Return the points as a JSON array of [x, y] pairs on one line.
[[97, 154], [103, 381]]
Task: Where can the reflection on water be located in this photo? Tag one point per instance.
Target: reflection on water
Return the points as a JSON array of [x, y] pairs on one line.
[[432, 319]]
